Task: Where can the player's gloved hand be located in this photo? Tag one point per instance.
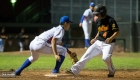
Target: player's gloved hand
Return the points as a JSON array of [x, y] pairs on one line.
[[74, 58], [80, 25], [108, 40], [92, 41], [58, 58]]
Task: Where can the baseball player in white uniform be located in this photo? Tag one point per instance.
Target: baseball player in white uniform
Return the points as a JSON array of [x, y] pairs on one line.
[[103, 42], [49, 41], [86, 23]]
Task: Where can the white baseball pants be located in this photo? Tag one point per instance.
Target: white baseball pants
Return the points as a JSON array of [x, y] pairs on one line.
[[95, 49], [38, 45], [87, 28]]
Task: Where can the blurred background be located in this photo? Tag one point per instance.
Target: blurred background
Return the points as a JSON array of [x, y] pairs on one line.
[[32, 17]]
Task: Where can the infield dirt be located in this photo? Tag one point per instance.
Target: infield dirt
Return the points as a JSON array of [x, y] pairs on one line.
[[84, 74]]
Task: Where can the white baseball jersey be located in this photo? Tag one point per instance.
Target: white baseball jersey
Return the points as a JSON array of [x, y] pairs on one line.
[[89, 15], [56, 32]]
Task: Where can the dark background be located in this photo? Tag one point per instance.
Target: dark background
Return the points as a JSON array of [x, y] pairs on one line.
[[8, 13], [21, 14], [37, 16]]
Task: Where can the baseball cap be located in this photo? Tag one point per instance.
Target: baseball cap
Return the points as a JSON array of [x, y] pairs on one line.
[[92, 4], [65, 19], [99, 9]]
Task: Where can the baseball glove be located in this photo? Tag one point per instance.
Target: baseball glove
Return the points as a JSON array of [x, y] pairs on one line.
[[74, 58]]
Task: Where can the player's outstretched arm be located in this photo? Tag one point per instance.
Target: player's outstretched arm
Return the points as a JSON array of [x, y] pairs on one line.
[[72, 55], [53, 42]]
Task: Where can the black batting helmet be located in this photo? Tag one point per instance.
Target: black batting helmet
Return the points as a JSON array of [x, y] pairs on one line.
[[100, 9]]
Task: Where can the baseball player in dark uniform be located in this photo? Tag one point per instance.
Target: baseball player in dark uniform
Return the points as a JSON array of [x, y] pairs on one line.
[[103, 42], [21, 39]]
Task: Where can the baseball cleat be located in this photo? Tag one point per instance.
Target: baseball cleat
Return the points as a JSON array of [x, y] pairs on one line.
[[55, 71], [110, 76], [70, 72], [16, 74]]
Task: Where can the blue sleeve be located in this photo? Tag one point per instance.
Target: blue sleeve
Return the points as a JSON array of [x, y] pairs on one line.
[[81, 21]]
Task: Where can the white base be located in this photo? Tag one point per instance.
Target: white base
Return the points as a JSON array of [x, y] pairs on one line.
[[58, 75]]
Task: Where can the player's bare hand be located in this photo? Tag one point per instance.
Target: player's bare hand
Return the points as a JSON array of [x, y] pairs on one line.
[[108, 40], [92, 41], [58, 58], [80, 25]]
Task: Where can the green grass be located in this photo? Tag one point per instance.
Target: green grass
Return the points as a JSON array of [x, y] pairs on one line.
[[14, 61]]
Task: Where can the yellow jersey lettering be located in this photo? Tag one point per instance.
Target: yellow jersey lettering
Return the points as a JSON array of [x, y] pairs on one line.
[[103, 28]]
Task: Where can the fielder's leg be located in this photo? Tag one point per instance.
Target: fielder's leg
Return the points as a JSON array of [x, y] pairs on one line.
[[34, 56], [27, 62], [87, 43], [24, 65], [62, 53], [86, 33], [58, 64]]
